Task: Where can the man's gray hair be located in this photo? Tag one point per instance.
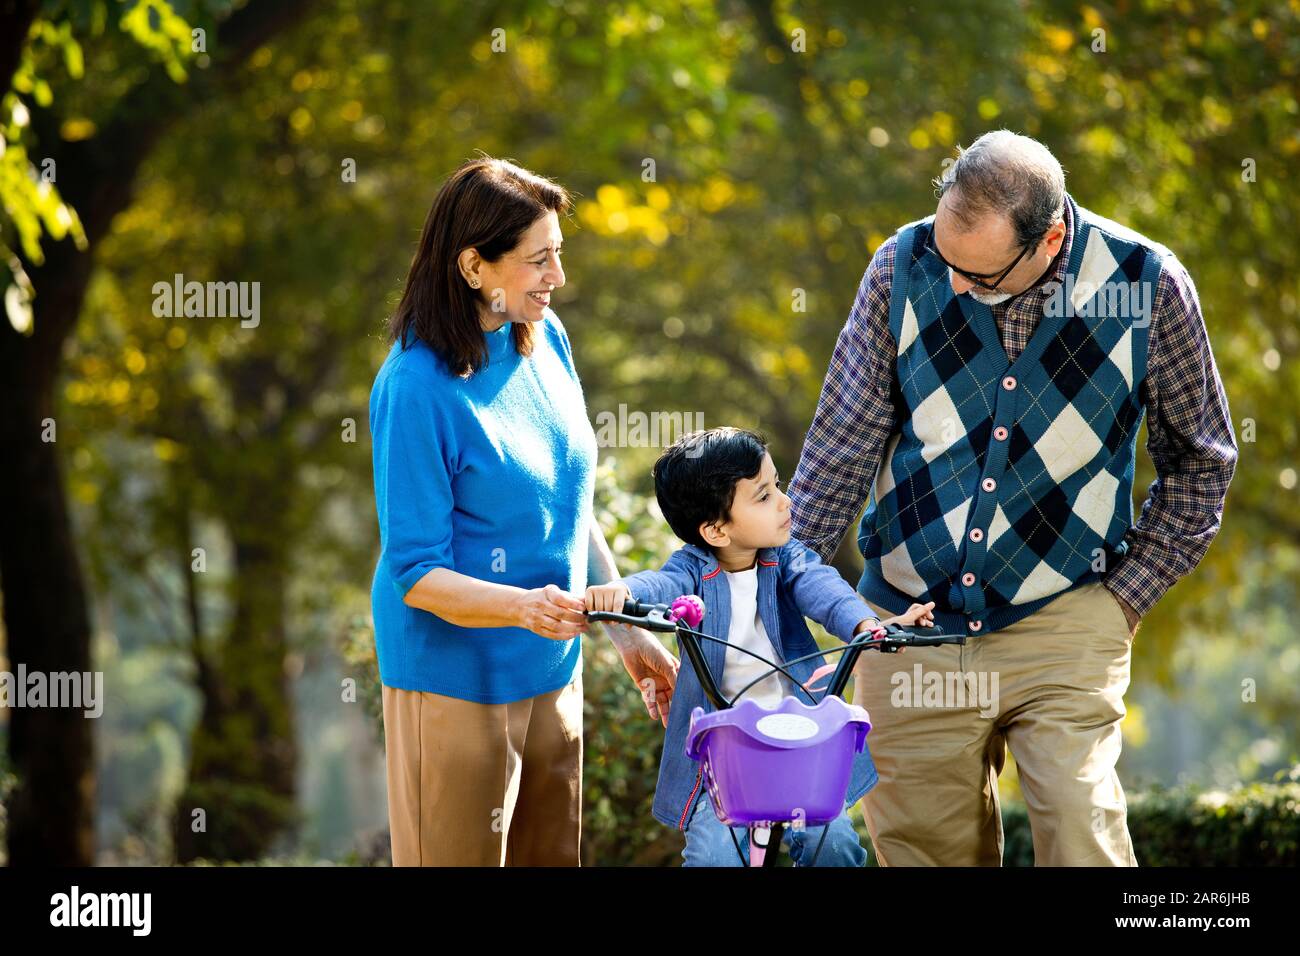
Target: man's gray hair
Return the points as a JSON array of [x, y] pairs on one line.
[[1005, 173]]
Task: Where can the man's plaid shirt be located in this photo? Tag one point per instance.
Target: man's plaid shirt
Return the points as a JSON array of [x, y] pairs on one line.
[[1189, 431]]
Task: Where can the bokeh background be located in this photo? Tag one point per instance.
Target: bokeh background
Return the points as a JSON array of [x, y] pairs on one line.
[[736, 163]]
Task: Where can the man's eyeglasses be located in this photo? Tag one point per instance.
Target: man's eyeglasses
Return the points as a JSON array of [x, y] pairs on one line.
[[977, 278]]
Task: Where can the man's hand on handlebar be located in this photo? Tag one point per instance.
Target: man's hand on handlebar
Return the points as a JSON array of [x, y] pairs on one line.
[[918, 615]]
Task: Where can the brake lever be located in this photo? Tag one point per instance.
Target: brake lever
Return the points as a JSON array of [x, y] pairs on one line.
[[654, 621]]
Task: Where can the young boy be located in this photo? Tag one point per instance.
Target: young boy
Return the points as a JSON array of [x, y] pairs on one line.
[[720, 493]]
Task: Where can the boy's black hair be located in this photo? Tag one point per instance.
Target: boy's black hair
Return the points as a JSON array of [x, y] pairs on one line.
[[695, 479]]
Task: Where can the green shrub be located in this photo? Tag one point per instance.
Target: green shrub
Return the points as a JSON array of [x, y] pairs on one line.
[[621, 759], [237, 815], [1253, 825]]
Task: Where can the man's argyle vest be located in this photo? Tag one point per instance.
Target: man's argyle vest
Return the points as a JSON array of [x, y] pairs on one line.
[[1010, 483]]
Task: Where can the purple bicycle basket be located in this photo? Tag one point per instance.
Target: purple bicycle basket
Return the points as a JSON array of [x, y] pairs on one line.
[[769, 764]]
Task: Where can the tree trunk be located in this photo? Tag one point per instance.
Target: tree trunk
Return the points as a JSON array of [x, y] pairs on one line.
[[45, 617], [243, 754], [16, 18]]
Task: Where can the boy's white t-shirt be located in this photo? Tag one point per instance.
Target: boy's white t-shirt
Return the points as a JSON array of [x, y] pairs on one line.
[[747, 631]]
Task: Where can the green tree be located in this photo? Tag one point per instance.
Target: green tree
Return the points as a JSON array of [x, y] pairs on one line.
[[95, 136]]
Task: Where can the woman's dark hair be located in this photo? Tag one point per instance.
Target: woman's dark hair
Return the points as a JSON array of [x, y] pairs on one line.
[[488, 204], [695, 479]]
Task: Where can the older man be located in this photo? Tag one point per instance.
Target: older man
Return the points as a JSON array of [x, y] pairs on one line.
[[987, 392]]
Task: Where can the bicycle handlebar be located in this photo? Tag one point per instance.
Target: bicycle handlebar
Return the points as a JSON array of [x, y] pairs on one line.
[[654, 617]]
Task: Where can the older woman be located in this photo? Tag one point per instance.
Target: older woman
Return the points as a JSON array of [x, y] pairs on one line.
[[483, 460]]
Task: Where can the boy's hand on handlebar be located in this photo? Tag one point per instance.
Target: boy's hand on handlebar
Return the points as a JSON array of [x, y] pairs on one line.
[[866, 624], [607, 597], [918, 614], [871, 624]]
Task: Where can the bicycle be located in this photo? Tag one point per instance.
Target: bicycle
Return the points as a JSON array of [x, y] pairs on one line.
[[769, 767]]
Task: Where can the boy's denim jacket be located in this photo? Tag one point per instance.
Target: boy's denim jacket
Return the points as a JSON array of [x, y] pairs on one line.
[[793, 583]]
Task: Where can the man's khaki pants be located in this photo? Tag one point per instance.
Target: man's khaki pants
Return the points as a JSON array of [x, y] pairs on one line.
[[1052, 687], [484, 784]]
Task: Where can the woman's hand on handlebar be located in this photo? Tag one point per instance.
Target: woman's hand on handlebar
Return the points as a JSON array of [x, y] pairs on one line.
[[552, 613], [607, 597]]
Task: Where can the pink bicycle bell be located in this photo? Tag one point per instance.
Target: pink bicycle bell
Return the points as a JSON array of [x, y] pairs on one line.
[[769, 764], [688, 608]]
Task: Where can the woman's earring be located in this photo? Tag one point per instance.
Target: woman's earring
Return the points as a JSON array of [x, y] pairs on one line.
[[473, 283]]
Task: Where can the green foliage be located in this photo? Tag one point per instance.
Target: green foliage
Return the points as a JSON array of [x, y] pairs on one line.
[[1228, 711], [361, 664], [155, 25], [238, 818], [622, 744], [1253, 825], [30, 196], [53, 52]]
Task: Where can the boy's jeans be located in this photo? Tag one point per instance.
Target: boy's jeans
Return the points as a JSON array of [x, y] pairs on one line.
[[708, 844]]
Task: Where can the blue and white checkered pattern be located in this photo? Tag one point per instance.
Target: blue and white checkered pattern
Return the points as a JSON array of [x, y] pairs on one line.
[[1009, 483]]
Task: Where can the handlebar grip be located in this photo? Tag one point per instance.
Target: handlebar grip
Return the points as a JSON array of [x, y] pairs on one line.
[[637, 609], [918, 631], [655, 617], [652, 617], [939, 639]]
